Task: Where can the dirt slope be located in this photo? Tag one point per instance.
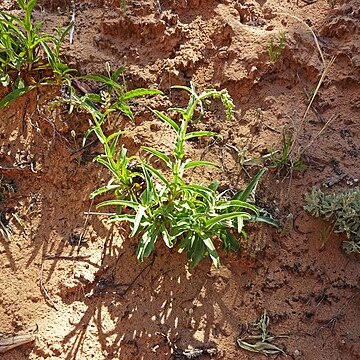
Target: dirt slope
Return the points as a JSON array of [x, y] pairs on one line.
[[104, 305]]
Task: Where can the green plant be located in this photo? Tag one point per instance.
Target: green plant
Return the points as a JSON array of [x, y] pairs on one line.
[[343, 209], [275, 50], [27, 56], [111, 97], [282, 159], [160, 204]]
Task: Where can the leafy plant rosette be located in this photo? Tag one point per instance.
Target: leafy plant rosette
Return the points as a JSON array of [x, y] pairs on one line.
[[28, 57], [193, 217], [342, 209]]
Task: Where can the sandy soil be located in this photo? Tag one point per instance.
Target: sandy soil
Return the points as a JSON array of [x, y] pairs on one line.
[[103, 305]]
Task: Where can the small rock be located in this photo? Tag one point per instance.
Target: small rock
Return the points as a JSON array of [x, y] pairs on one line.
[[223, 53]]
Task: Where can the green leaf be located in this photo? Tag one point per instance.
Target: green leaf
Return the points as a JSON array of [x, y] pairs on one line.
[[146, 243], [212, 252], [185, 88], [124, 108], [139, 215], [230, 242], [117, 73], [14, 95], [243, 195], [192, 164], [159, 155], [103, 79], [266, 220], [121, 218], [186, 242], [138, 93], [149, 195], [126, 203], [214, 185], [171, 122], [103, 190], [236, 204], [223, 217], [196, 254], [200, 134], [166, 236], [156, 173]]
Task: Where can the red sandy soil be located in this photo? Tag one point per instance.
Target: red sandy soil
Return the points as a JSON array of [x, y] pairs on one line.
[[103, 304]]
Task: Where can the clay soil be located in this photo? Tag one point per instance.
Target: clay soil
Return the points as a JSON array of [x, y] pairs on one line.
[[102, 304]]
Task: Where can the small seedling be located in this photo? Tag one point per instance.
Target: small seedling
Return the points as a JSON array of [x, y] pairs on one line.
[[282, 159], [275, 50], [342, 209]]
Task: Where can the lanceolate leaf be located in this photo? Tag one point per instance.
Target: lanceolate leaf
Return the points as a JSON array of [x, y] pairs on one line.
[[103, 190], [139, 215], [171, 122], [233, 204], [138, 93], [230, 242], [266, 220], [159, 155], [103, 79], [196, 253], [130, 204], [14, 95], [243, 195], [200, 134], [229, 216], [212, 252]]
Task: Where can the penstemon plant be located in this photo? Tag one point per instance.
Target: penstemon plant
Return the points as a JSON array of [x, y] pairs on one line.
[[194, 217], [29, 57], [112, 97]]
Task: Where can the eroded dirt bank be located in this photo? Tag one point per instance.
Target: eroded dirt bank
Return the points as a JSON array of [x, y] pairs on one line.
[[104, 305]]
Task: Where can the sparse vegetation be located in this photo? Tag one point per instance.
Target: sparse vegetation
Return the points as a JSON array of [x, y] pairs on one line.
[[283, 159], [342, 209], [275, 49]]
